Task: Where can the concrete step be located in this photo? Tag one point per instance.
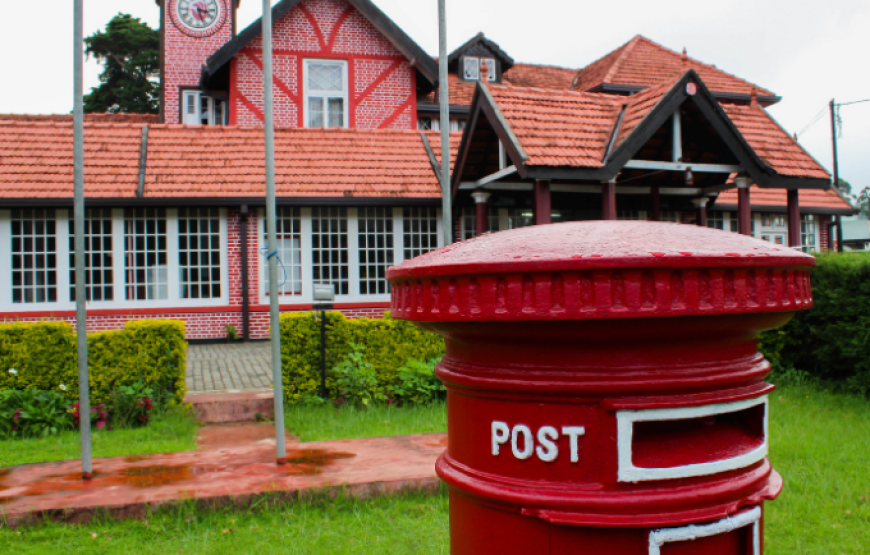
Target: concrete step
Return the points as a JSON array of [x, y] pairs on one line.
[[232, 406]]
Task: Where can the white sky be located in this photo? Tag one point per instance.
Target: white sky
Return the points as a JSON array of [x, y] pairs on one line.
[[803, 50]]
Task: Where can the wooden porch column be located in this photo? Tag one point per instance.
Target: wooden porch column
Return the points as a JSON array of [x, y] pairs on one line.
[[744, 207], [794, 219], [480, 199], [701, 207], [656, 213], [542, 203], [608, 200], [826, 225]]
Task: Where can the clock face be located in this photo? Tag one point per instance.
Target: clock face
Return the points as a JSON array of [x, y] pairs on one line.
[[198, 18]]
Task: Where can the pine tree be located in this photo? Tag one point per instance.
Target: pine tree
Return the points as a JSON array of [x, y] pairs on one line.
[[130, 52]]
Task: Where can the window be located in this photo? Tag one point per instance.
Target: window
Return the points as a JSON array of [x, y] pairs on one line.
[[289, 232], [99, 258], [808, 233], [631, 215], [325, 93], [772, 220], [474, 68], [329, 249], [34, 256], [425, 124], [375, 241], [519, 217], [145, 254], [203, 109], [670, 216], [420, 234], [199, 253], [469, 221]]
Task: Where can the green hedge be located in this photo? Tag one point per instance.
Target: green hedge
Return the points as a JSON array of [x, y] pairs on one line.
[[388, 345], [832, 340], [44, 357]]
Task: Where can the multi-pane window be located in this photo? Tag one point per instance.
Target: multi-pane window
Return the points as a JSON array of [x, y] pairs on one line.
[[34, 256], [808, 233], [469, 221], [630, 215], [475, 69], [199, 253], [375, 241], [289, 232], [424, 124], [202, 109], [420, 233], [329, 248], [99, 257], [146, 275], [670, 216], [326, 93], [520, 217]]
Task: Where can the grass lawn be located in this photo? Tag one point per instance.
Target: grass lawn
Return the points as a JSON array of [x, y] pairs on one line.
[[326, 422], [168, 432], [820, 444]]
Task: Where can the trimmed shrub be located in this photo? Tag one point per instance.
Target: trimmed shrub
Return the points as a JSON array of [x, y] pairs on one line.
[[388, 345], [831, 341], [43, 356]]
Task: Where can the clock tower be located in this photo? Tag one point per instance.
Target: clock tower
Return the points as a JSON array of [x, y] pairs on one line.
[[190, 32]]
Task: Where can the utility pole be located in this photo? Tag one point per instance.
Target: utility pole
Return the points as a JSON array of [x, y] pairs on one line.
[[836, 171], [446, 203], [271, 227], [79, 228]]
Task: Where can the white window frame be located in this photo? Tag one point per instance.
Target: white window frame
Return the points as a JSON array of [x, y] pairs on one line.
[[307, 93], [119, 267], [196, 119], [354, 295], [752, 517], [625, 420]]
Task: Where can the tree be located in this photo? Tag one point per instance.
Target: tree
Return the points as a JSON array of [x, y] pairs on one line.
[[862, 203], [844, 186], [130, 52]]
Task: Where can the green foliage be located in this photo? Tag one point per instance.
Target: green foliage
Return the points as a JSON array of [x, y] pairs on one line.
[[43, 356], [417, 383], [831, 341], [862, 202], [130, 405], [130, 52], [33, 413], [355, 379], [388, 345], [232, 335]]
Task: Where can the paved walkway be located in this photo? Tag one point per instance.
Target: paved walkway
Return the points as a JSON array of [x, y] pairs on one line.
[[235, 464], [229, 367]]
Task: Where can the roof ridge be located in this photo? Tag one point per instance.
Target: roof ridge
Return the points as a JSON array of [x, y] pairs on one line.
[[626, 50]]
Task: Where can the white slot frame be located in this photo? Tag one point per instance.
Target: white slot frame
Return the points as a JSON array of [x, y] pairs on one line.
[[625, 419], [752, 517]]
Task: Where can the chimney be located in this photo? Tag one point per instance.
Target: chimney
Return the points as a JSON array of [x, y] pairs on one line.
[[754, 101], [685, 58]]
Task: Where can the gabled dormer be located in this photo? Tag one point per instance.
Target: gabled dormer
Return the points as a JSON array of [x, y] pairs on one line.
[[479, 59]]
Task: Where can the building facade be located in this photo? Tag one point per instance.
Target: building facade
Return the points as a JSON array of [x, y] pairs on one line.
[[175, 223]]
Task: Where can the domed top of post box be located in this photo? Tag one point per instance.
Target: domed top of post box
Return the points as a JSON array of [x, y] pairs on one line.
[[601, 269]]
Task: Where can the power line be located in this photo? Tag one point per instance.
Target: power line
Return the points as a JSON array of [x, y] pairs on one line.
[[853, 102], [813, 122]]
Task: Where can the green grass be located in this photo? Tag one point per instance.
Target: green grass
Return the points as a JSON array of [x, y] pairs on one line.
[[820, 443], [411, 523], [325, 422], [168, 432]]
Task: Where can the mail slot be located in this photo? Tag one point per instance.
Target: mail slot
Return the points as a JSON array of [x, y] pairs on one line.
[[605, 389]]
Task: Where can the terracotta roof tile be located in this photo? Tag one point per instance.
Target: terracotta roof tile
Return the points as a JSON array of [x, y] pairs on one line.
[[644, 63], [638, 106], [776, 147], [196, 161], [89, 118], [435, 142], [808, 198], [559, 128]]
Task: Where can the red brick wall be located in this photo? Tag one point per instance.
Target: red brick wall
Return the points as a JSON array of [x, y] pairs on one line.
[[184, 56], [381, 83]]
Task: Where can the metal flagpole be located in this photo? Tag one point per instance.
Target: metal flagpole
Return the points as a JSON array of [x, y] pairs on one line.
[[271, 228], [446, 203], [79, 215]]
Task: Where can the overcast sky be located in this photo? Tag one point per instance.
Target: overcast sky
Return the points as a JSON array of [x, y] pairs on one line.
[[805, 51]]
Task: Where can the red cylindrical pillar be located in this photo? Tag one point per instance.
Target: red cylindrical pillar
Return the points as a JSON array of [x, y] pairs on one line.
[[794, 219], [480, 199], [656, 212], [605, 390], [608, 200], [543, 206], [701, 210], [744, 206]]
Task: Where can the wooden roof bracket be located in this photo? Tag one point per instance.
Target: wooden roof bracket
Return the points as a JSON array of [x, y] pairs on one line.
[[615, 133], [431, 153], [143, 162]]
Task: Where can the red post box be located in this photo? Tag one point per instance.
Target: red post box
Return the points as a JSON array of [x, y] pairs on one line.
[[605, 390]]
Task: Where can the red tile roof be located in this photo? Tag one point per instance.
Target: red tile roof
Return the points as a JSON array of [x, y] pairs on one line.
[[89, 118], [195, 161], [36, 160], [644, 63], [559, 128], [808, 198], [776, 147], [435, 142], [638, 107]]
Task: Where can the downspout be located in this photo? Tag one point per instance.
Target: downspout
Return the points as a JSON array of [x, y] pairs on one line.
[[246, 297]]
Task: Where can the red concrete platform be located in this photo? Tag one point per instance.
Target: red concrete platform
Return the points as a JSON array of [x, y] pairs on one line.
[[242, 406], [235, 464]]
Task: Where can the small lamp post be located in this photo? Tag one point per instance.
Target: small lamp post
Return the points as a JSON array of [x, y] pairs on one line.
[[324, 296]]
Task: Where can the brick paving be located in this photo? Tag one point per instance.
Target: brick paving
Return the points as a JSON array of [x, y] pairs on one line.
[[229, 367]]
